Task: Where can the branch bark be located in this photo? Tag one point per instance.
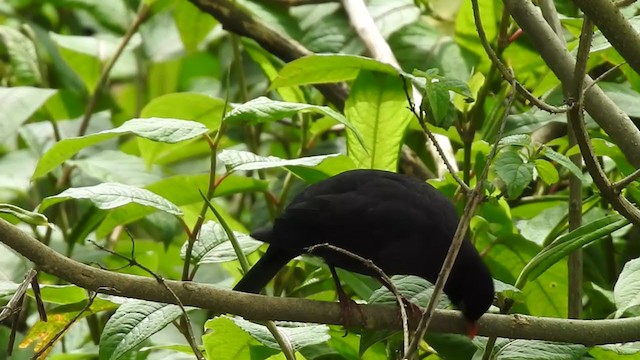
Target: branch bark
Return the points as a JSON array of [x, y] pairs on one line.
[[259, 307], [606, 15], [607, 114]]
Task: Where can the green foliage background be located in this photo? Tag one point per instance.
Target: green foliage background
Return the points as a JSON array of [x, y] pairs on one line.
[[184, 87]]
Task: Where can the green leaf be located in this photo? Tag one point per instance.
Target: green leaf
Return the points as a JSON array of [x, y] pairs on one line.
[[213, 245], [327, 68], [133, 323], [264, 109], [243, 160], [413, 288], [627, 289], [518, 139], [516, 174], [156, 129], [299, 335], [627, 351], [547, 171], [61, 294], [23, 215], [566, 244], [564, 162], [18, 104], [377, 108], [181, 190], [114, 14], [193, 24], [118, 167], [112, 195], [204, 109], [506, 349], [227, 341], [24, 69]]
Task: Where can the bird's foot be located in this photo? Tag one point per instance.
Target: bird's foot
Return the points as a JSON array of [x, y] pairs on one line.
[[347, 305]]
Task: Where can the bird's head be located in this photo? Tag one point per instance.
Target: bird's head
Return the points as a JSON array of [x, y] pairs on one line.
[[470, 289]]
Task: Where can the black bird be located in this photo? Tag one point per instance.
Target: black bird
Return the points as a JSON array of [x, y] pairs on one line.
[[403, 225]]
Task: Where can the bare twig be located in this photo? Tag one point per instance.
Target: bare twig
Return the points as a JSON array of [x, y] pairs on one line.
[[14, 306], [603, 75], [618, 186], [281, 339], [420, 116], [66, 327], [133, 262], [506, 73], [602, 109], [476, 196], [386, 281]]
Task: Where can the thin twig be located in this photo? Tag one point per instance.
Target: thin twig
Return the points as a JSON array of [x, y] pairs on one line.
[[618, 186], [603, 75], [506, 73], [66, 327], [141, 16], [476, 196], [386, 281], [134, 263], [281, 339], [419, 114]]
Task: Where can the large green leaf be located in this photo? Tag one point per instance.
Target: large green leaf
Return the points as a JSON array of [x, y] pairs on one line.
[[181, 190], [243, 160], [213, 245], [156, 129], [328, 68], [113, 195], [506, 349], [22, 55], [18, 104], [566, 244], [516, 173], [204, 109], [193, 24], [377, 107], [228, 341], [133, 323], [627, 289], [264, 109], [299, 335]]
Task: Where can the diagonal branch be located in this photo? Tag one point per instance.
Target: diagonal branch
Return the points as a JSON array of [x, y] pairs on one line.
[[603, 110]]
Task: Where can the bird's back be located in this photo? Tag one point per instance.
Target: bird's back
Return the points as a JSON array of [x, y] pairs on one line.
[[394, 220]]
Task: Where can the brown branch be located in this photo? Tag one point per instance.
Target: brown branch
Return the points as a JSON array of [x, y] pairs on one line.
[[259, 307], [239, 22], [613, 25], [604, 111]]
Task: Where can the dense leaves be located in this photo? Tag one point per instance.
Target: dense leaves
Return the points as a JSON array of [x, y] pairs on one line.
[[111, 134]]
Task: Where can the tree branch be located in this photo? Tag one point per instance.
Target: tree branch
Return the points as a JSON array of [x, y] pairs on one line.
[[233, 19], [259, 307], [607, 114], [622, 36]]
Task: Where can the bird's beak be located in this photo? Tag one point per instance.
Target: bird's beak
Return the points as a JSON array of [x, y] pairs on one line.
[[472, 329]]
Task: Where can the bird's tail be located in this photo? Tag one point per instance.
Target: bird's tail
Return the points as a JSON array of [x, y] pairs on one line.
[[264, 270]]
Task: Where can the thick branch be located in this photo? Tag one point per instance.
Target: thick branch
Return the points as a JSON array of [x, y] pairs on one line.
[[607, 114], [608, 18], [258, 307], [235, 20]]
